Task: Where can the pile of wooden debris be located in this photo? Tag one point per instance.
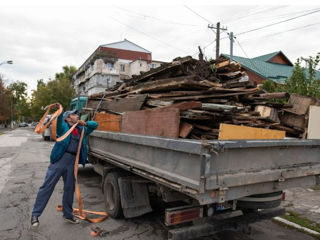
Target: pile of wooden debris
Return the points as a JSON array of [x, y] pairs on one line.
[[190, 98]]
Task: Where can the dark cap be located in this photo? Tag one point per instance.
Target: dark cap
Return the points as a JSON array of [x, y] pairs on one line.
[[67, 113]]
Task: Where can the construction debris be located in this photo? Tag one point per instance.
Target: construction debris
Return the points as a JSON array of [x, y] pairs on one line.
[[190, 98]]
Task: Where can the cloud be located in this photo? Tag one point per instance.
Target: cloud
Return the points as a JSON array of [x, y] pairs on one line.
[[40, 40]]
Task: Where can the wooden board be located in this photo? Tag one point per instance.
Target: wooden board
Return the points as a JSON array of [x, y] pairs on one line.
[[185, 129], [300, 104], [293, 120], [235, 132], [119, 105], [314, 120], [169, 84], [108, 122], [160, 122], [268, 112], [186, 105]]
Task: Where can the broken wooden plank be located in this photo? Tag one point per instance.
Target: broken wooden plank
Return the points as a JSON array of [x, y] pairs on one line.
[[250, 91], [160, 122], [158, 103], [108, 122], [186, 105], [275, 95], [226, 62], [217, 107], [169, 85], [235, 132], [120, 105], [300, 104], [185, 129], [294, 120], [268, 112]]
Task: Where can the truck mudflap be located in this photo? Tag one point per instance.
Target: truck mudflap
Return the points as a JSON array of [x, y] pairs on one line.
[[217, 224]]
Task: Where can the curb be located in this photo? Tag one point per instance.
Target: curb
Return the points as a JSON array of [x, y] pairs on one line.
[[297, 226]]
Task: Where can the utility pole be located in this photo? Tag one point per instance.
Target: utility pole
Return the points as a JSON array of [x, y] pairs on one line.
[[231, 46], [218, 28]]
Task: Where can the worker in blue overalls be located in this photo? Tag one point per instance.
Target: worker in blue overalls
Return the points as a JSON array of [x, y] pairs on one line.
[[62, 159]]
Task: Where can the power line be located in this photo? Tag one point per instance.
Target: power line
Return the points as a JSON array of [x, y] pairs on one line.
[[207, 20], [276, 23], [237, 41], [256, 13], [150, 36], [293, 29], [296, 12], [156, 18]]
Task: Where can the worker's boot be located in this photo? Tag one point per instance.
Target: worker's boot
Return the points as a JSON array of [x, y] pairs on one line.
[[34, 222], [71, 220]]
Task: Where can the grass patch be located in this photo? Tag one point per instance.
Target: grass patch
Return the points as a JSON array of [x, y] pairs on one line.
[[291, 227], [1, 133], [317, 187], [289, 205], [302, 221]]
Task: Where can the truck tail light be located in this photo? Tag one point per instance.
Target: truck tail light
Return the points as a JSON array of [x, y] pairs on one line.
[[179, 215]]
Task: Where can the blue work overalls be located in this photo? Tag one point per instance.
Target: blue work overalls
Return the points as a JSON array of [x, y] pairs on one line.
[[65, 168]]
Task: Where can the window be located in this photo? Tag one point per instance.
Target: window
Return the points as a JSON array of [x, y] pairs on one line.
[[122, 68], [109, 65]]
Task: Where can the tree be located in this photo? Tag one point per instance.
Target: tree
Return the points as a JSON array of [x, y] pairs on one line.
[[21, 104], [303, 81], [59, 90], [4, 102], [67, 73]]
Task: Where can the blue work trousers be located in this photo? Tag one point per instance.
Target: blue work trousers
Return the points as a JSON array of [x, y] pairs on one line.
[[65, 168]]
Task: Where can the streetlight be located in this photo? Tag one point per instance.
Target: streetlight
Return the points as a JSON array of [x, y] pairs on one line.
[[7, 62]]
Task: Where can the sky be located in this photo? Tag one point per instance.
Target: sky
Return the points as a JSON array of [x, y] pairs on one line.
[[40, 38]]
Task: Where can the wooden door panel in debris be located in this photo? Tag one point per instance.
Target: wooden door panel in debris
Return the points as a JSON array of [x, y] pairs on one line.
[[163, 122]]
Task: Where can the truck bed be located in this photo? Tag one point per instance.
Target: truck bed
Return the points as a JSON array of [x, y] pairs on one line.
[[212, 171]]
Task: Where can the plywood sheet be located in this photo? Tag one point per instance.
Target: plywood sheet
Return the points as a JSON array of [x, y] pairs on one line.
[[235, 132], [314, 120], [108, 122], [160, 122]]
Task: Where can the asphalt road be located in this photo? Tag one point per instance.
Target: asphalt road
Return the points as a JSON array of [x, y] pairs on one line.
[[24, 158]]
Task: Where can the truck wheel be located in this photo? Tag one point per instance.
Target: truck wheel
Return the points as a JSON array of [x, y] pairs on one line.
[[112, 198], [260, 201]]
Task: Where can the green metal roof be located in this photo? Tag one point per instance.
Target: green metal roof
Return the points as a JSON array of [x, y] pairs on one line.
[[259, 65], [266, 57]]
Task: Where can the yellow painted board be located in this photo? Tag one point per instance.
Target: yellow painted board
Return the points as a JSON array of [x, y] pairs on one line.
[[236, 132]]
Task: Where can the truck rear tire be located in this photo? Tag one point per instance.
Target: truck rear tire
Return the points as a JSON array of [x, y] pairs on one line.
[[112, 198], [260, 201]]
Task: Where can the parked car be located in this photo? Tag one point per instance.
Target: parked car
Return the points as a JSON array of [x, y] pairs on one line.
[[23, 124], [33, 124]]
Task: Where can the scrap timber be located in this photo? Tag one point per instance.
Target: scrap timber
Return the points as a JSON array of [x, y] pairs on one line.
[[190, 98]]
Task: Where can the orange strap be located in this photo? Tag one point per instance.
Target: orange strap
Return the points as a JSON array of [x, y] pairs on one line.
[[78, 212]]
